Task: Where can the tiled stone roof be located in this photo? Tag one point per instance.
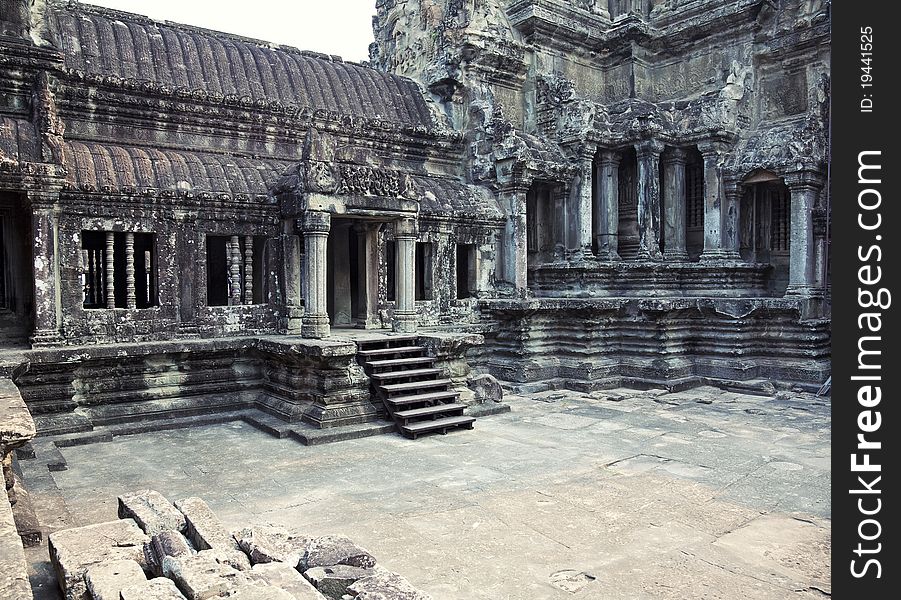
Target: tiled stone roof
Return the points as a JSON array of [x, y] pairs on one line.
[[111, 43], [96, 167]]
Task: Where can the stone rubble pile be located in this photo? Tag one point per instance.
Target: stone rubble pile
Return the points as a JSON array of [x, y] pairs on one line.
[[163, 551]]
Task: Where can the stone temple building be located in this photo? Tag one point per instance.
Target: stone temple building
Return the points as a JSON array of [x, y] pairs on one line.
[[562, 193]]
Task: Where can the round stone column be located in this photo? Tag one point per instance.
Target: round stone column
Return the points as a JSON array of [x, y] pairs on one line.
[[804, 188], [315, 320], [405, 276]]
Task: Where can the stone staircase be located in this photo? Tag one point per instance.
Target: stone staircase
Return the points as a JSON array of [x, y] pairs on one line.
[[413, 391]]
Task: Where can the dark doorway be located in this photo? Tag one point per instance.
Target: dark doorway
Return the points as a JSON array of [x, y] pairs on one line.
[[352, 262], [16, 273]]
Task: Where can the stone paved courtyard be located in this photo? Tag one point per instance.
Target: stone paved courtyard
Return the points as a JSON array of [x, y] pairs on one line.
[[699, 494]]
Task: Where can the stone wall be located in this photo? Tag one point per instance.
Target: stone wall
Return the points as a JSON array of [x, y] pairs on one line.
[[588, 344]]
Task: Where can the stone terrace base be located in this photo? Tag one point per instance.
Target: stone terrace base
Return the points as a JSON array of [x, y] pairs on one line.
[[313, 384], [589, 344], [316, 382], [651, 279]]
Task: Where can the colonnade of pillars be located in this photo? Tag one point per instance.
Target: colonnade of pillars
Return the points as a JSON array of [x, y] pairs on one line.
[[315, 319], [592, 218], [656, 166]]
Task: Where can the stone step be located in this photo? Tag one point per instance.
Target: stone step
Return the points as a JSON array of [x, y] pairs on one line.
[[442, 425], [393, 388], [387, 342], [419, 398], [389, 351], [405, 374], [428, 411], [400, 362]]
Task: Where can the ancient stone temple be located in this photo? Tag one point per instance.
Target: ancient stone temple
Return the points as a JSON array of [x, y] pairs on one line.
[[557, 193]]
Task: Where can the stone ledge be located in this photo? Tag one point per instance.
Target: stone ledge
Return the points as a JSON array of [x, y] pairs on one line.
[[13, 571]]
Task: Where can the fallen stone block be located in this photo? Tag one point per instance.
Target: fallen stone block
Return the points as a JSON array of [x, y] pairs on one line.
[[333, 550], [74, 551], [167, 543], [385, 585], [486, 388], [266, 545], [153, 589], [258, 590], [333, 581], [205, 530], [201, 576], [151, 511], [107, 580], [284, 576]]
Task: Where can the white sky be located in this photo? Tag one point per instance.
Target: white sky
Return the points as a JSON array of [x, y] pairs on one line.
[[342, 27]]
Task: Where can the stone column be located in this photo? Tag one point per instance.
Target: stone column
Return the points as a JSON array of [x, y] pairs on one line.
[[804, 187], [405, 276], [514, 263], [234, 269], [713, 153], [648, 154], [315, 322], [731, 215], [293, 279], [248, 269], [673, 164], [583, 217], [607, 205], [109, 271], [130, 297], [47, 300], [368, 235]]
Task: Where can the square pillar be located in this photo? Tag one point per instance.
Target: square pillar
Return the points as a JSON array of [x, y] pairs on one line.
[[606, 209], [293, 279], [514, 261], [673, 164], [580, 214], [713, 153], [731, 219], [648, 154], [805, 188], [47, 299], [315, 321]]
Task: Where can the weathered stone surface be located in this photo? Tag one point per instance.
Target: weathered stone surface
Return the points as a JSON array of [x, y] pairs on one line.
[[159, 588], [486, 388], [166, 543], [385, 585], [151, 511], [265, 545], [13, 572], [333, 582], [206, 531], [74, 551], [333, 550], [106, 580], [258, 590], [282, 575], [201, 576]]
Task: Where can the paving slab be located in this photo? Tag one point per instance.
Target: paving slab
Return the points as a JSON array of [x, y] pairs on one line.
[[645, 497]]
